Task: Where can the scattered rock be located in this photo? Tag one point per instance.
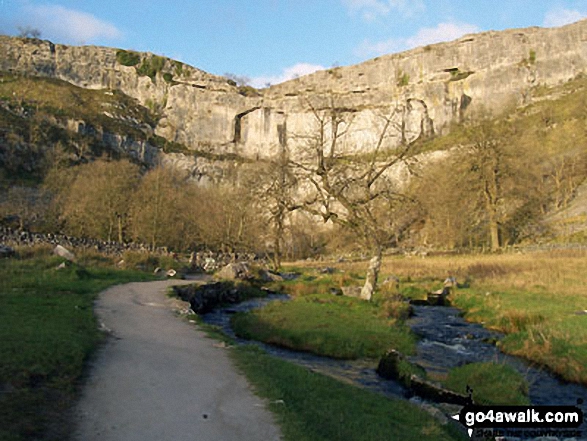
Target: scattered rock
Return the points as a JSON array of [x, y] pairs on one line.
[[351, 291], [6, 251], [235, 271], [391, 280], [64, 252], [269, 276], [336, 291]]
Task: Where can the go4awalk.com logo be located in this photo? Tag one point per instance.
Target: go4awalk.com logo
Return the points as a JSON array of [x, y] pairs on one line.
[[525, 421]]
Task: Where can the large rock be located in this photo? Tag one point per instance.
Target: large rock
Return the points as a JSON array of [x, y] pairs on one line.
[[64, 252], [204, 298], [235, 271], [390, 365], [351, 291]]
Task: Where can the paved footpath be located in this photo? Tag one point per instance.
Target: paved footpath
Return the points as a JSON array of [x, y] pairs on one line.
[[158, 378]]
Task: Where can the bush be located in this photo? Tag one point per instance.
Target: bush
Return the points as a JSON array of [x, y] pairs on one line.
[[128, 58], [168, 77], [150, 67]]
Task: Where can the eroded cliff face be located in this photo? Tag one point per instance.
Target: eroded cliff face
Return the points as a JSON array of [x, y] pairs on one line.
[[425, 89]]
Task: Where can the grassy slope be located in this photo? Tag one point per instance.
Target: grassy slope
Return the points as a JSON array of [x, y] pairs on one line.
[[47, 332]]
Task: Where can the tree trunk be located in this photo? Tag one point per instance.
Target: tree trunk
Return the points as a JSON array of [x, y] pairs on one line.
[[119, 229], [372, 276], [494, 233]]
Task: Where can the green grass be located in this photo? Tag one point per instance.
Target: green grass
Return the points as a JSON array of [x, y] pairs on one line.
[[311, 406], [337, 327], [47, 332], [540, 325], [492, 383]]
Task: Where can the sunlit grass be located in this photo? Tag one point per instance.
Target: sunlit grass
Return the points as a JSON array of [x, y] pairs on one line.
[[536, 298], [47, 332]]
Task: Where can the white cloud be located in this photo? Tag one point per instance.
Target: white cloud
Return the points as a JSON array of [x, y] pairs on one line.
[[372, 9], [68, 25], [289, 73], [443, 32], [561, 17]]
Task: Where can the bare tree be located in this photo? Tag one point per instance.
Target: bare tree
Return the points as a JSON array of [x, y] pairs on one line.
[[274, 186], [350, 189]]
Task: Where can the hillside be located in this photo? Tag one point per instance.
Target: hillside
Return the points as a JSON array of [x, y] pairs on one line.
[[67, 105], [434, 86]]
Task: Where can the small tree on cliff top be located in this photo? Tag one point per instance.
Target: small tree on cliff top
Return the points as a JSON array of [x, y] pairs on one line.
[[352, 190]]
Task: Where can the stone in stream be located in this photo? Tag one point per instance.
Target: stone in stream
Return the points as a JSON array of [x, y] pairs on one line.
[[431, 391], [439, 298], [392, 366], [389, 365]]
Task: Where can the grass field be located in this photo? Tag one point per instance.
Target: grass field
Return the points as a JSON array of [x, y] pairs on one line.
[[337, 327], [47, 332], [537, 299]]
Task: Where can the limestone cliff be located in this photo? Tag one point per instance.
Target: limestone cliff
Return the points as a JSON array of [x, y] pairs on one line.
[[430, 87]]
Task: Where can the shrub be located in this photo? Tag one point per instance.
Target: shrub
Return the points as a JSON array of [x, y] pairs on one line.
[[150, 67], [403, 79], [168, 77], [128, 58]]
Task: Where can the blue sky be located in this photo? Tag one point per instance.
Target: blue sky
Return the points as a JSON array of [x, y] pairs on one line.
[[269, 41]]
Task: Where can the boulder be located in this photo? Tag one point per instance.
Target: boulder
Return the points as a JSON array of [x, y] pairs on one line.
[[64, 252], [235, 271], [439, 298], [351, 291], [389, 365], [204, 298], [269, 276]]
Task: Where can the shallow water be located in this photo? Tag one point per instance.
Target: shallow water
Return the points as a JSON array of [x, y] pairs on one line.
[[447, 341]]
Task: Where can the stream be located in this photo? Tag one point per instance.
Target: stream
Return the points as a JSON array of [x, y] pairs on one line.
[[446, 341]]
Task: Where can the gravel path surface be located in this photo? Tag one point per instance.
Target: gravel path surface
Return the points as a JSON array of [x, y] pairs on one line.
[[158, 378]]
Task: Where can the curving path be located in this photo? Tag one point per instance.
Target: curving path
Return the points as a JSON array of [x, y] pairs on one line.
[[158, 378]]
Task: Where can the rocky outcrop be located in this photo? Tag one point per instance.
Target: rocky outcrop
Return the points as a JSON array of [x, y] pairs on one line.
[[204, 298], [428, 87]]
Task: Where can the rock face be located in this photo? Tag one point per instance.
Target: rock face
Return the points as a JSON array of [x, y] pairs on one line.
[[429, 88]]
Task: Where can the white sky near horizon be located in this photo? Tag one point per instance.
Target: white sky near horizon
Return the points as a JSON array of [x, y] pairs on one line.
[[270, 41]]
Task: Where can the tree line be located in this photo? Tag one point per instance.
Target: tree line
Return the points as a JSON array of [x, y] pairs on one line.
[[493, 187]]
